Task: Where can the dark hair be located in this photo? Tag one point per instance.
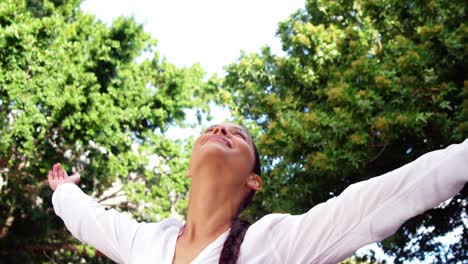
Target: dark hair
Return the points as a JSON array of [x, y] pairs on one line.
[[231, 247]]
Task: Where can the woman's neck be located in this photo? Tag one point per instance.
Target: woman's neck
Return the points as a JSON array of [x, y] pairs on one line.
[[210, 211]]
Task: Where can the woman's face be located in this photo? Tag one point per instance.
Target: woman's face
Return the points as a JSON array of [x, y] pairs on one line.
[[227, 149]]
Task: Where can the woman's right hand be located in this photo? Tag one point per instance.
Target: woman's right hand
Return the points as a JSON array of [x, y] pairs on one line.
[[59, 176]]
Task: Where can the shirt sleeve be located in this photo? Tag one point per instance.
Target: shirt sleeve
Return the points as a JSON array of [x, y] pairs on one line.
[[109, 231], [371, 210]]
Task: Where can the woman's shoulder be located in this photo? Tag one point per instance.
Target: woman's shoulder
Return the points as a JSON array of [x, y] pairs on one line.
[[154, 240], [269, 220], [165, 224], [258, 246], [155, 231]]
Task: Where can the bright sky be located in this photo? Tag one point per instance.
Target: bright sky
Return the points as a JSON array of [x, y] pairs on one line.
[[209, 32]]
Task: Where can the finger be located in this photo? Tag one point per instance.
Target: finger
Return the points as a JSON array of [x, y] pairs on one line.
[[50, 176], [65, 174], [61, 176], [56, 167]]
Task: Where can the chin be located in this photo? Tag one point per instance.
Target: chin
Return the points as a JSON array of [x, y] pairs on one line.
[[217, 151], [214, 154]]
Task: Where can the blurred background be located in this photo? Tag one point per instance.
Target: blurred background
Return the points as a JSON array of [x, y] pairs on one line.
[[334, 92]]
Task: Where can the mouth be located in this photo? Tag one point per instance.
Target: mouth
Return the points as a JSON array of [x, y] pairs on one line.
[[221, 139]]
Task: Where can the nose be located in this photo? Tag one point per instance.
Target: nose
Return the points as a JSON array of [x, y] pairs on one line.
[[220, 130]]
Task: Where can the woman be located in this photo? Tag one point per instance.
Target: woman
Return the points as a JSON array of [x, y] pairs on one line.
[[225, 172]]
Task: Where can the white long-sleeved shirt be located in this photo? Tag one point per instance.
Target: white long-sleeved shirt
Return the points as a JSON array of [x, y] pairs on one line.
[[364, 213]]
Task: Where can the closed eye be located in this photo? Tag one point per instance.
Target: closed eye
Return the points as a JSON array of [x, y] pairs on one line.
[[241, 134]]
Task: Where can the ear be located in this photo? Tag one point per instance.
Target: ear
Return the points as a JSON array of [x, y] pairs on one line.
[[254, 182]]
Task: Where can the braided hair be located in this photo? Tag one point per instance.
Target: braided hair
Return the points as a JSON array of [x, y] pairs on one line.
[[231, 247]]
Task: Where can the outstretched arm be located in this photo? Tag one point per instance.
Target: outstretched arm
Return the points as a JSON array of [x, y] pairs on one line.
[[110, 232], [371, 210]]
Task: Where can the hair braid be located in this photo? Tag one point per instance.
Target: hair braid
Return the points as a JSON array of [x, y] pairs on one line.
[[231, 247]]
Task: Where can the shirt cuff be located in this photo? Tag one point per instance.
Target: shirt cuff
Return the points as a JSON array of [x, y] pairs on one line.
[[64, 189]]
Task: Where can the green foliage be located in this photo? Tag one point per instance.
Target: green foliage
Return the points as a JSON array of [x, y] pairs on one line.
[[356, 260], [71, 91], [363, 88]]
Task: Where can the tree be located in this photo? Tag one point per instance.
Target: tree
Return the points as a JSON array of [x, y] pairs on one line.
[[354, 260], [71, 91], [364, 87]]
